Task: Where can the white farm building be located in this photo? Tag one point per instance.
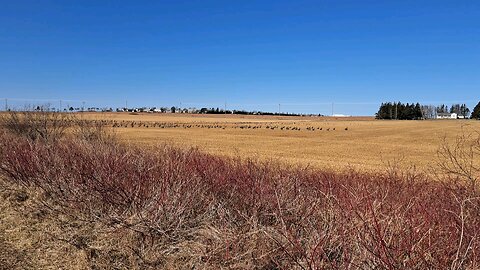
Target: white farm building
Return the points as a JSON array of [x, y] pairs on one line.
[[447, 116]]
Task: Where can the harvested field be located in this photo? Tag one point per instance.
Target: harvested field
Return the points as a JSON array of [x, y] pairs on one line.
[[323, 142]]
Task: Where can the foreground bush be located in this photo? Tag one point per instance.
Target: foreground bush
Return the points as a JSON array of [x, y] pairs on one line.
[[36, 125], [194, 210]]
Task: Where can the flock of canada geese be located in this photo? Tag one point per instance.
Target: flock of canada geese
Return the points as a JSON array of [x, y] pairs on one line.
[[243, 126]]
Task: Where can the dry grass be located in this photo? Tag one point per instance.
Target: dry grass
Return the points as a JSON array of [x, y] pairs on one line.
[[33, 235], [27, 234], [367, 144]]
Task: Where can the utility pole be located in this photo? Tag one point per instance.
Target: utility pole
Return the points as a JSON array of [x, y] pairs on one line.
[[279, 108], [60, 109], [225, 108], [332, 108], [83, 106], [6, 104]]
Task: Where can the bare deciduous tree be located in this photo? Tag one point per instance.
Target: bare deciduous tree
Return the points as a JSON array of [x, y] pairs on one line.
[[461, 159]]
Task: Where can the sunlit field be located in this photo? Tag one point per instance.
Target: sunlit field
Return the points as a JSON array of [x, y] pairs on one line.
[[323, 142]]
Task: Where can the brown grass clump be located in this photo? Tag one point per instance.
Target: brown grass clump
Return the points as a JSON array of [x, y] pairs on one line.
[[170, 208]]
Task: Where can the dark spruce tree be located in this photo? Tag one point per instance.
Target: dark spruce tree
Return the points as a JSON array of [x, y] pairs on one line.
[[418, 111], [476, 112]]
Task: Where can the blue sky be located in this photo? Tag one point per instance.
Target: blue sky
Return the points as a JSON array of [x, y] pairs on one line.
[[251, 54]]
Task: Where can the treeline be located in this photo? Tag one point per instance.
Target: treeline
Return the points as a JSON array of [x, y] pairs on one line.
[[400, 111], [243, 112]]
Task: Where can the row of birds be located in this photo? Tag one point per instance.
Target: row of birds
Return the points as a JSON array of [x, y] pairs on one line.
[[138, 124]]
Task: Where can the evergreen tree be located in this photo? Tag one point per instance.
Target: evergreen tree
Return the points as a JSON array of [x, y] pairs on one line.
[[406, 112], [476, 112], [418, 111]]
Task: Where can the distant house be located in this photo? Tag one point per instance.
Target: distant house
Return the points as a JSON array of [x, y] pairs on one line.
[[447, 116]]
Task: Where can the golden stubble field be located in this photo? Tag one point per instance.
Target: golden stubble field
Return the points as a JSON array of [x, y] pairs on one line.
[[334, 143]]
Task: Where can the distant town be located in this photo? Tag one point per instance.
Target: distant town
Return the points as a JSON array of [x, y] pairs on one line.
[[172, 109], [386, 111]]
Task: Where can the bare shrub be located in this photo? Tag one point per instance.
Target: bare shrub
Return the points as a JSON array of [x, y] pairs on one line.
[[92, 130], [51, 126], [36, 125]]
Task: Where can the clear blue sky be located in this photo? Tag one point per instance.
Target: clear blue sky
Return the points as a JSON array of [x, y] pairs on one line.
[[251, 54]]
